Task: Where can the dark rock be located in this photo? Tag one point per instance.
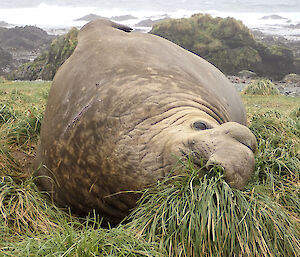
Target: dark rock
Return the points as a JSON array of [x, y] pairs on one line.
[[24, 38], [21, 44], [3, 24], [273, 17], [5, 57], [227, 44], [5, 61], [123, 18], [149, 22], [297, 65], [45, 66], [296, 26], [277, 61], [246, 74], [91, 17], [270, 40], [292, 78]]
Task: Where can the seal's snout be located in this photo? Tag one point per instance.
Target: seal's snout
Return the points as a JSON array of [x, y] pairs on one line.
[[230, 145], [235, 153], [240, 133]]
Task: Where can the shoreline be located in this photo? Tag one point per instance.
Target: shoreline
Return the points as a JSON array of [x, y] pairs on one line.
[[276, 22], [286, 88]]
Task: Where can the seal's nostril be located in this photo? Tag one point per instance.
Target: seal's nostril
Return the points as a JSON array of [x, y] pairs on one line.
[[240, 133], [251, 148], [251, 145]]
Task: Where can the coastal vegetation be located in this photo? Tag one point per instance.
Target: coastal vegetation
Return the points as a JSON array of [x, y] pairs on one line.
[[184, 215], [261, 87], [228, 44]]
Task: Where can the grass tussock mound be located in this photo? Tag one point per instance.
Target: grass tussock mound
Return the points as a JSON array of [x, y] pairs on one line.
[[203, 216], [23, 210], [261, 87]]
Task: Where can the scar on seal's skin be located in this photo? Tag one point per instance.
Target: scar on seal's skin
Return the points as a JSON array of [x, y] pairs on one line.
[[78, 116]]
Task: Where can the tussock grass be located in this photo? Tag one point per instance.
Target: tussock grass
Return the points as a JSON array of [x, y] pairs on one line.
[[19, 133], [21, 111], [84, 239], [191, 215], [279, 144], [277, 160], [261, 87], [6, 113], [296, 114], [21, 129], [23, 211], [26, 130]]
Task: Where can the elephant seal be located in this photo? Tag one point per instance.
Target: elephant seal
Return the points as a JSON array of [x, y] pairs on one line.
[[119, 110]]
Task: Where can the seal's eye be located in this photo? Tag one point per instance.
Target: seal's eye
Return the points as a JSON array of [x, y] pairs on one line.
[[199, 125]]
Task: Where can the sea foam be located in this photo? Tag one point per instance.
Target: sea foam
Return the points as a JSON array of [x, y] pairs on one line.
[[55, 18]]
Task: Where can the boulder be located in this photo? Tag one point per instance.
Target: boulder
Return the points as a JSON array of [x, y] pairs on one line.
[[297, 65], [3, 24], [273, 17], [91, 17], [5, 61], [26, 38], [149, 22], [123, 18], [45, 66], [246, 74], [21, 44], [292, 78]]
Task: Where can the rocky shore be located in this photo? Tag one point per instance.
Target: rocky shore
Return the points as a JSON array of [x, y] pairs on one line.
[[289, 86], [34, 50], [19, 45]]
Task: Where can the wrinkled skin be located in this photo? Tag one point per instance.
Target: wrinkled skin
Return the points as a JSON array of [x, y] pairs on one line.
[[122, 107]]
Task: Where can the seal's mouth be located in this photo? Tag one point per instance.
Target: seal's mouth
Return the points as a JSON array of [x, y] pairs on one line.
[[213, 167], [198, 161]]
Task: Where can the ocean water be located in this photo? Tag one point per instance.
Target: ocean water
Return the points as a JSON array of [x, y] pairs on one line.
[[57, 15]]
